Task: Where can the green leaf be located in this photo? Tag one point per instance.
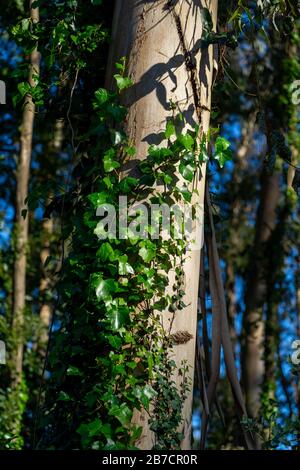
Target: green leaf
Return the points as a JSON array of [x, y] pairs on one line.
[[63, 396], [122, 82], [123, 413], [168, 179], [121, 65], [25, 24], [186, 141], [101, 96], [97, 199], [108, 182], [127, 184], [106, 430], [221, 144], [131, 151], [222, 151], [124, 266], [145, 395], [116, 136], [186, 194], [24, 88], [72, 371], [91, 429], [170, 129], [203, 155], [187, 167], [117, 317], [147, 254], [114, 341], [103, 288], [117, 111], [106, 252], [109, 163], [159, 154]]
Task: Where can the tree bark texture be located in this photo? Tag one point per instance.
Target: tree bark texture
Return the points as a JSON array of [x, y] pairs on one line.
[[161, 40], [21, 222]]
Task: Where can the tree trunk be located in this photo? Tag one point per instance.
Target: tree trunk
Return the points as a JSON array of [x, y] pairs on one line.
[[54, 148], [21, 222], [161, 40], [237, 217], [256, 290]]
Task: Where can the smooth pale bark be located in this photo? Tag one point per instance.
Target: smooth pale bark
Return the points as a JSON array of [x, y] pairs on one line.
[[21, 222], [256, 290], [156, 37]]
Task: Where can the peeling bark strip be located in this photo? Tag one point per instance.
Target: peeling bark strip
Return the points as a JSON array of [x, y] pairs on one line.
[[161, 42], [21, 222]]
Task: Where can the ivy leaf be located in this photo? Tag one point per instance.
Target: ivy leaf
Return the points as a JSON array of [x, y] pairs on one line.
[[95, 427], [73, 371], [127, 184], [114, 341], [186, 141], [106, 252], [116, 136], [24, 88], [222, 151], [25, 24], [101, 96], [123, 413], [168, 179], [187, 171], [63, 396], [103, 288], [97, 199], [91, 429], [187, 166], [203, 155], [159, 154], [186, 194], [109, 163], [124, 266], [121, 65], [144, 394], [117, 317], [123, 82], [117, 111], [147, 180], [130, 151], [170, 129], [106, 430], [147, 253]]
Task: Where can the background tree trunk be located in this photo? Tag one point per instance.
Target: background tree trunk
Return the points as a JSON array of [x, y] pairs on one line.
[[21, 222], [161, 40], [54, 149], [256, 290]]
